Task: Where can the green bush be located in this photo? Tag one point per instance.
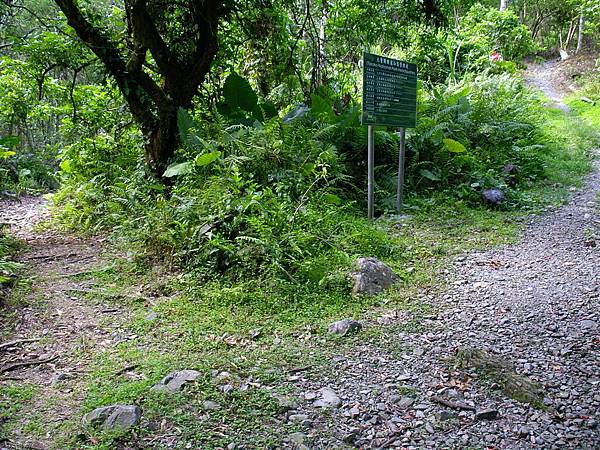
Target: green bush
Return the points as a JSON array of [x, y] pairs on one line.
[[484, 30], [252, 197], [468, 132], [8, 268]]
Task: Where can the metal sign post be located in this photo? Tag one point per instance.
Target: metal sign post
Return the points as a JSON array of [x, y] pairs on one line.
[[371, 173], [400, 170], [389, 98]]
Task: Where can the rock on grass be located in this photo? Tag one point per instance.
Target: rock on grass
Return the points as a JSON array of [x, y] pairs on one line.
[[175, 380], [344, 327], [372, 276], [113, 417]]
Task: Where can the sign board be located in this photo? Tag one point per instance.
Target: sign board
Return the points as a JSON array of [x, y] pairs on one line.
[[389, 92]]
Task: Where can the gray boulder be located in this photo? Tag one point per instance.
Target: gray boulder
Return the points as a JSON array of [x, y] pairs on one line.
[[175, 380], [209, 405], [493, 196], [113, 417], [372, 276], [345, 326], [286, 402]]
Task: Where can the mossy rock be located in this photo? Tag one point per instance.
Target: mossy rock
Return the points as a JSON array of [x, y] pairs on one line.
[[502, 372]]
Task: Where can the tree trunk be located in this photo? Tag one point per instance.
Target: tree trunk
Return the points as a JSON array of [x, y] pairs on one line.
[[319, 54], [162, 140], [580, 33], [570, 33], [503, 5]]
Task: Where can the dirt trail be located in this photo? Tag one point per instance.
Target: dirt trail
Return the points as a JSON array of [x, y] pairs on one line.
[[545, 78], [66, 327]]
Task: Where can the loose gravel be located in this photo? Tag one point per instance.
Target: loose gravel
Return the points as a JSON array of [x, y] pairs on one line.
[[534, 306]]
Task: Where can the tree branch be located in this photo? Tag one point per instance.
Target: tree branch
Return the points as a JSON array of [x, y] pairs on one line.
[[108, 53], [145, 32]]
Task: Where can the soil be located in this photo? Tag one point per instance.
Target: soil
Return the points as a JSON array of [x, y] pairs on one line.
[[63, 325]]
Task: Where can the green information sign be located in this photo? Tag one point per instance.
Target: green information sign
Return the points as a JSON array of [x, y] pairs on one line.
[[389, 92]]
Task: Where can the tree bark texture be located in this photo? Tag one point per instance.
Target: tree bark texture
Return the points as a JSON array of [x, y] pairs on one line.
[[580, 33]]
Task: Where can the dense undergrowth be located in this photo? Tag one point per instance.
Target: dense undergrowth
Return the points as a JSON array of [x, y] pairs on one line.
[[263, 222], [258, 328], [284, 200], [8, 268]]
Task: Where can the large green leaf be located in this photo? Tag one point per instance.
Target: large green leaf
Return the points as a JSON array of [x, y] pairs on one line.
[[454, 146], [429, 175], [321, 109], [178, 169], [269, 110], [188, 129], [6, 154], [207, 158], [9, 141], [332, 199], [238, 93]]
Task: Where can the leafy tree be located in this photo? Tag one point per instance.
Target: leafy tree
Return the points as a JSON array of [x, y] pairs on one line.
[[165, 54]]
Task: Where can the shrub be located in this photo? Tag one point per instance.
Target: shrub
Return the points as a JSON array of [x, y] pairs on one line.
[[467, 133], [251, 198], [484, 30]]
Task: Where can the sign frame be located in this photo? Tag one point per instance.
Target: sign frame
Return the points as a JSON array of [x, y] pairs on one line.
[[396, 93]]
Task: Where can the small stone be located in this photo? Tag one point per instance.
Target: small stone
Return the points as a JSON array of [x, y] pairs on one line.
[[227, 388], [209, 405], [58, 377], [350, 437], [255, 334], [372, 276], [113, 417], [444, 416], [587, 324], [345, 326], [491, 438], [493, 196], [298, 418], [406, 402], [394, 398], [151, 316], [298, 438], [429, 428], [222, 377], [175, 380], [486, 414], [329, 399], [285, 402]]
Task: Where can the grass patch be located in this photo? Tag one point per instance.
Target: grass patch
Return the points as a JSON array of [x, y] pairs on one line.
[[13, 400], [257, 330]]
